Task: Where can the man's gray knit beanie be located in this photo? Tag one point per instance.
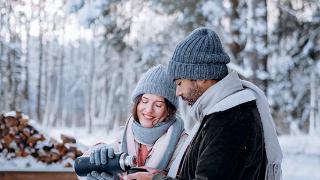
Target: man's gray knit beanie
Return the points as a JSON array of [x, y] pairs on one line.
[[156, 81], [199, 56]]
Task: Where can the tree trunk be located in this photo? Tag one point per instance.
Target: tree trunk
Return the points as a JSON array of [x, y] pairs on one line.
[[92, 85], [26, 85], [257, 50], [61, 103], [40, 61], [313, 90], [236, 45]]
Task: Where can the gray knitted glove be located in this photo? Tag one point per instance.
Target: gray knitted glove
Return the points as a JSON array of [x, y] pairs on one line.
[[98, 157], [94, 175], [101, 155]]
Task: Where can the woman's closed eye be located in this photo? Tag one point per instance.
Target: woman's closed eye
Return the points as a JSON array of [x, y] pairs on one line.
[[144, 101], [159, 105]]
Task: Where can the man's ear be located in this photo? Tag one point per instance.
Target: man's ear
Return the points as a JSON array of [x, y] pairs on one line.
[[201, 82], [206, 83]]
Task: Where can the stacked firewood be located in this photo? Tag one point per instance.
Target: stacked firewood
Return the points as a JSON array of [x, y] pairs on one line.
[[19, 139]]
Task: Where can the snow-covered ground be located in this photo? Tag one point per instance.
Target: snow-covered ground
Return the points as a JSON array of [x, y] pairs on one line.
[[301, 159], [98, 135], [29, 163]]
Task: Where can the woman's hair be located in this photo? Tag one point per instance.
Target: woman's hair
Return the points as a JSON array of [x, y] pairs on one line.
[[171, 108]]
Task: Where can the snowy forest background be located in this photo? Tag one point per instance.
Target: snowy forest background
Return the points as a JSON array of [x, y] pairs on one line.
[[74, 63]]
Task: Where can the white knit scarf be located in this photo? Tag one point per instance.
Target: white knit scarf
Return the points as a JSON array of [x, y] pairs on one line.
[[228, 93]]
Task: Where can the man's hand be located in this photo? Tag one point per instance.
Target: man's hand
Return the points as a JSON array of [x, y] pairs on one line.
[[139, 176], [143, 175]]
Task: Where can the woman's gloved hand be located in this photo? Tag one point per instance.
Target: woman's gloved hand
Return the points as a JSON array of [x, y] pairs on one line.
[[94, 175], [101, 155], [98, 157]]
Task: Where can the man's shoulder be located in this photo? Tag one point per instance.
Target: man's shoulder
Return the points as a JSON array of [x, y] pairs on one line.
[[241, 118], [244, 107], [238, 112]]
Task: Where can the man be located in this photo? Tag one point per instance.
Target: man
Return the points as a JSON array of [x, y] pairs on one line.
[[235, 138]]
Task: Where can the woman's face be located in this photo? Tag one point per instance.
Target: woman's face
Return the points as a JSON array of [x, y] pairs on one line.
[[151, 110]]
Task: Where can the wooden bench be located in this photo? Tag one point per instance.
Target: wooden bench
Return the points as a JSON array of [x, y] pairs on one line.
[[37, 175]]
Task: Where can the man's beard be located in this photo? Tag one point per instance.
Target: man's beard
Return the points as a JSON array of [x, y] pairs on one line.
[[194, 94]]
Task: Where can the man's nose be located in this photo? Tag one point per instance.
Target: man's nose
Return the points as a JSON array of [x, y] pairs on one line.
[[178, 92]]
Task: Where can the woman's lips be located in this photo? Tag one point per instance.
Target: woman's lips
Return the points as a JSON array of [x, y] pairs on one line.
[[148, 116]]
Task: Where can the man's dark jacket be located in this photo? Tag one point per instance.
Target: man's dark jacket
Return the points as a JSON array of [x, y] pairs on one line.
[[229, 145]]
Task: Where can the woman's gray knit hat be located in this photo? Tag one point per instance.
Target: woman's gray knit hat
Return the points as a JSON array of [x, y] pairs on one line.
[[199, 56], [156, 81]]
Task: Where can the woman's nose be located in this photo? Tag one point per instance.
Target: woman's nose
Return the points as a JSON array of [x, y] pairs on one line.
[[148, 108]]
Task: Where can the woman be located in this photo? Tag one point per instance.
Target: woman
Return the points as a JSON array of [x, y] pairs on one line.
[[154, 134]]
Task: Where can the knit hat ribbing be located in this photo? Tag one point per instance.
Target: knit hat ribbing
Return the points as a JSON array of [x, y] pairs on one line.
[[156, 81], [199, 56]]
